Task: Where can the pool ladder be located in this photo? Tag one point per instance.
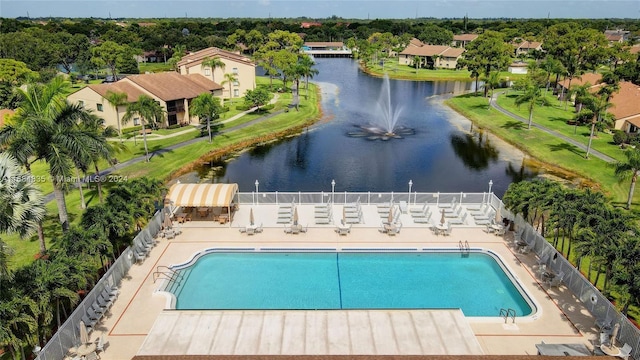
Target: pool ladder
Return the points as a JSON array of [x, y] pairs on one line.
[[166, 274], [465, 249], [508, 313]]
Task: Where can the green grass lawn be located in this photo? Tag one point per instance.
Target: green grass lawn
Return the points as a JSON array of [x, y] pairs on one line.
[[396, 71], [550, 150], [153, 67], [164, 165], [555, 117]]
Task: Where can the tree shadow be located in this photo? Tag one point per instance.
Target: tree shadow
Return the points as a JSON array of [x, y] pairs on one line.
[[514, 125], [566, 147], [557, 118]]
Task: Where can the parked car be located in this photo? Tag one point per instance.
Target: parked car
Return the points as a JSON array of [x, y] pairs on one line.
[[109, 79]]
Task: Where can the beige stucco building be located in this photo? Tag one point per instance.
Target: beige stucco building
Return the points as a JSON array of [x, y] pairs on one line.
[[171, 90], [239, 65], [436, 56]]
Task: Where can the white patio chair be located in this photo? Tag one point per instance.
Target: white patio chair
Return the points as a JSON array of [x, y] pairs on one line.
[[625, 351]]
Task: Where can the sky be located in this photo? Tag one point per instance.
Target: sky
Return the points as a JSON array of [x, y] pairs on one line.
[[359, 9]]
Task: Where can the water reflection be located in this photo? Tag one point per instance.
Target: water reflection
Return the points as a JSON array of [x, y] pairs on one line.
[[438, 157], [522, 172], [474, 149]]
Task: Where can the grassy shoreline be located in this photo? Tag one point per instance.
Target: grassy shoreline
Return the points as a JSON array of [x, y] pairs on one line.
[[556, 154]]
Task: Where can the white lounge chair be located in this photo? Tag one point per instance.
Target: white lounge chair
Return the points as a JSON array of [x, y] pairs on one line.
[[420, 210], [556, 281], [625, 351]]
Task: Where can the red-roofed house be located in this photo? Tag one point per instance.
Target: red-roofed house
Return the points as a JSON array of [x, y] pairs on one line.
[[307, 25], [462, 40], [625, 103], [240, 65], [171, 90], [431, 56]]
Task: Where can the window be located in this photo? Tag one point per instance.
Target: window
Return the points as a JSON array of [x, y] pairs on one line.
[[99, 107], [136, 121], [236, 83], [207, 71], [235, 71], [236, 93], [81, 103]]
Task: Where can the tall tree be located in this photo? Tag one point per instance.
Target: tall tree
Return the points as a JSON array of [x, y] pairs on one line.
[[117, 99], [47, 129], [213, 64], [206, 106], [531, 95], [629, 170], [149, 111], [231, 79], [21, 204], [489, 53], [305, 69]]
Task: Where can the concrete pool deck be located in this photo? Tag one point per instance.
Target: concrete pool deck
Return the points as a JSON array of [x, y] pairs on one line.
[[561, 317]]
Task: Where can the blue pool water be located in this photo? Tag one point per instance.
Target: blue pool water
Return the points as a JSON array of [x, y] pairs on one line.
[[475, 283]]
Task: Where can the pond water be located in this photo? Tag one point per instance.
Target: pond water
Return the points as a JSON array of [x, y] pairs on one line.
[[444, 154]]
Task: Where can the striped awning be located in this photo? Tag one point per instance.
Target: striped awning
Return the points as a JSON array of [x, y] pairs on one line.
[[205, 195]]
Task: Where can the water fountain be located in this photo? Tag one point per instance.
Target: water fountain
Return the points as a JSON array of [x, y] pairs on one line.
[[386, 119]]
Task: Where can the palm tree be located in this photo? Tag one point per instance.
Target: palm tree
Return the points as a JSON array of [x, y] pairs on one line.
[[95, 125], [599, 108], [17, 323], [629, 169], [493, 81], [21, 201], [47, 129], [117, 99], [206, 106], [149, 111], [231, 79], [305, 68], [417, 62], [213, 63], [532, 96]]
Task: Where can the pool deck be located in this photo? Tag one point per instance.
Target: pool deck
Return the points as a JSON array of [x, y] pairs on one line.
[[561, 317]]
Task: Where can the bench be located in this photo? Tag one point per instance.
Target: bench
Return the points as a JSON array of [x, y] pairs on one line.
[[146, 131]]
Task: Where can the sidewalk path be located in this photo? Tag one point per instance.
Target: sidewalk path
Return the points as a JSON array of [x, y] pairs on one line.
[[593, 152], [198, 127], [49, 196]]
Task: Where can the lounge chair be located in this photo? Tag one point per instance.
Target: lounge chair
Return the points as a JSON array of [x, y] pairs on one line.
[[103, 302], [421, 210], [93, 315], [423, 220], [242, 229], [98, 309], [454, 209], [625, 351], [501, 231], [460, 221], [88, 323], [288, 229], [445, 206]]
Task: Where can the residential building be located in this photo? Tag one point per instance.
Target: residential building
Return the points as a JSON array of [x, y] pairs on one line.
[[617, 35], [526, 47], [625, 103], [171, 90], [307, 25], [326, 49], [241, 66], [431, 56], [462, 40], [518, 67]]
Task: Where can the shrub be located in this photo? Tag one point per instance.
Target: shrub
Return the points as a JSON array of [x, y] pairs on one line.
[[268, 107], [620, 137], [243, 107], [132, 129], [174, 126]]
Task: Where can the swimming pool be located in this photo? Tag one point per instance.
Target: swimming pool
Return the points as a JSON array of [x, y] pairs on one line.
[[474, 282]]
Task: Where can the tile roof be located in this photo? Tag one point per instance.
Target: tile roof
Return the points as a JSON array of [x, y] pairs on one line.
[[626, 102], [212, 52], [415, 42], [613, 37], [120, 86], [465, 37], [529, 45], [173, 86], [432, 50], [635, 49]]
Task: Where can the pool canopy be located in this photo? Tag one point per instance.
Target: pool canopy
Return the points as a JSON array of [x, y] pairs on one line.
[[202, 195]]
